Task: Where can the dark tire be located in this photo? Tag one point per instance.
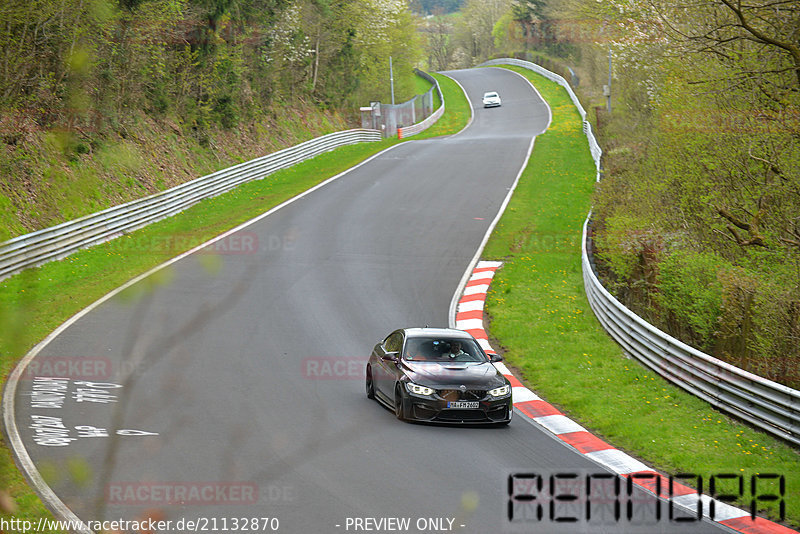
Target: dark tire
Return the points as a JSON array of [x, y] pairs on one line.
[[399, 410], [370, 384]]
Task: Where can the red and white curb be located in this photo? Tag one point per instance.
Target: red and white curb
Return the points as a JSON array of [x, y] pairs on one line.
[[469, 317]]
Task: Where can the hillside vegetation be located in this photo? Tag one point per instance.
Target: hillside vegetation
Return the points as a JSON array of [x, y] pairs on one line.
[[102, 101], [697, 219]]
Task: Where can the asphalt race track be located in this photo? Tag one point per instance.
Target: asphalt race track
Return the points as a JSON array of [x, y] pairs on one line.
[[232, 387]]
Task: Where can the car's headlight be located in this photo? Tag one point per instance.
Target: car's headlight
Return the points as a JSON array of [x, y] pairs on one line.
[[500, 392], [418, 390]]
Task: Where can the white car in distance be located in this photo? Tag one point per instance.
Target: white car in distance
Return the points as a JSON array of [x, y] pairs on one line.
[[491, 99]]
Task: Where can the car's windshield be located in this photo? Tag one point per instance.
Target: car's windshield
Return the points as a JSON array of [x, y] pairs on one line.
[[490, 95], [424, 349]]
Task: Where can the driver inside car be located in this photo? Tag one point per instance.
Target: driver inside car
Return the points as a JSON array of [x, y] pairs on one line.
[[455, 351]]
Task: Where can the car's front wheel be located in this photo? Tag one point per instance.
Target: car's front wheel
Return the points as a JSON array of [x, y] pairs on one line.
[[370, 384], [399, 407]]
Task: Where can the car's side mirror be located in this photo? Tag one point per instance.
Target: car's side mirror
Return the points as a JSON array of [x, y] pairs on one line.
[[391, 357], [496, 358]]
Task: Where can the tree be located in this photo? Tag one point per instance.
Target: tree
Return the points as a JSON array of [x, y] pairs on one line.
[[702, 158], [440, 42], [527, 13], [474, 29], [736, 31], [382, 29]]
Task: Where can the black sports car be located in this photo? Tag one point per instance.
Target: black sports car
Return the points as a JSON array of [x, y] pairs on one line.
[[438, 374]]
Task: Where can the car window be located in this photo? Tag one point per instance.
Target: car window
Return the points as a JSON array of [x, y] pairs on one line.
[[393, 343], [443, 349]]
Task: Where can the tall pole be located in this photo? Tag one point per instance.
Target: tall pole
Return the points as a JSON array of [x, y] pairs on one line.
[[608, 95], [391, 78]]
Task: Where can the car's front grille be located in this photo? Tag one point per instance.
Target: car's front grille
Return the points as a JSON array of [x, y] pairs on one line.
[[450, 394], [458, 395], [462, 415]]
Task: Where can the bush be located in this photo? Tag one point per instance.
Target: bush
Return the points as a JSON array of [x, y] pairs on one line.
[[775, 344], [690, 291], [629, 250]]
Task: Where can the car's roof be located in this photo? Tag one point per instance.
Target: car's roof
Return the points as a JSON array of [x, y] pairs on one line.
[[437, 332]]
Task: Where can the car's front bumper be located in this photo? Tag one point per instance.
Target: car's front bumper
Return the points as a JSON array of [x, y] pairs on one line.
[[431, 409]]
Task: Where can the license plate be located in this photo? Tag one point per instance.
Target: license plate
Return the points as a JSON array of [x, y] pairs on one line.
[[462, 405]]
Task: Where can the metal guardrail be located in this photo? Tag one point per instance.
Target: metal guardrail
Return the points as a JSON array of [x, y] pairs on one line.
[[773, 407], [59, 241], [408, 131], [393, 119]]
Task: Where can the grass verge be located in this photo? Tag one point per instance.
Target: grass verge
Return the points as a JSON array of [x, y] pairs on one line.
[[541, 319], [36, 301]]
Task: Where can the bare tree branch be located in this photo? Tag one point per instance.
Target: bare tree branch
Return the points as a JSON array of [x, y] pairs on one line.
[[756, 238]]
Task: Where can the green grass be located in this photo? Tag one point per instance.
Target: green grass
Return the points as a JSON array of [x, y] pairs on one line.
[[421, 85], [37, 300], [540, 318]]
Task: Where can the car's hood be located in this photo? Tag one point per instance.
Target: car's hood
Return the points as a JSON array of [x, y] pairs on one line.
[[448, 374]]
